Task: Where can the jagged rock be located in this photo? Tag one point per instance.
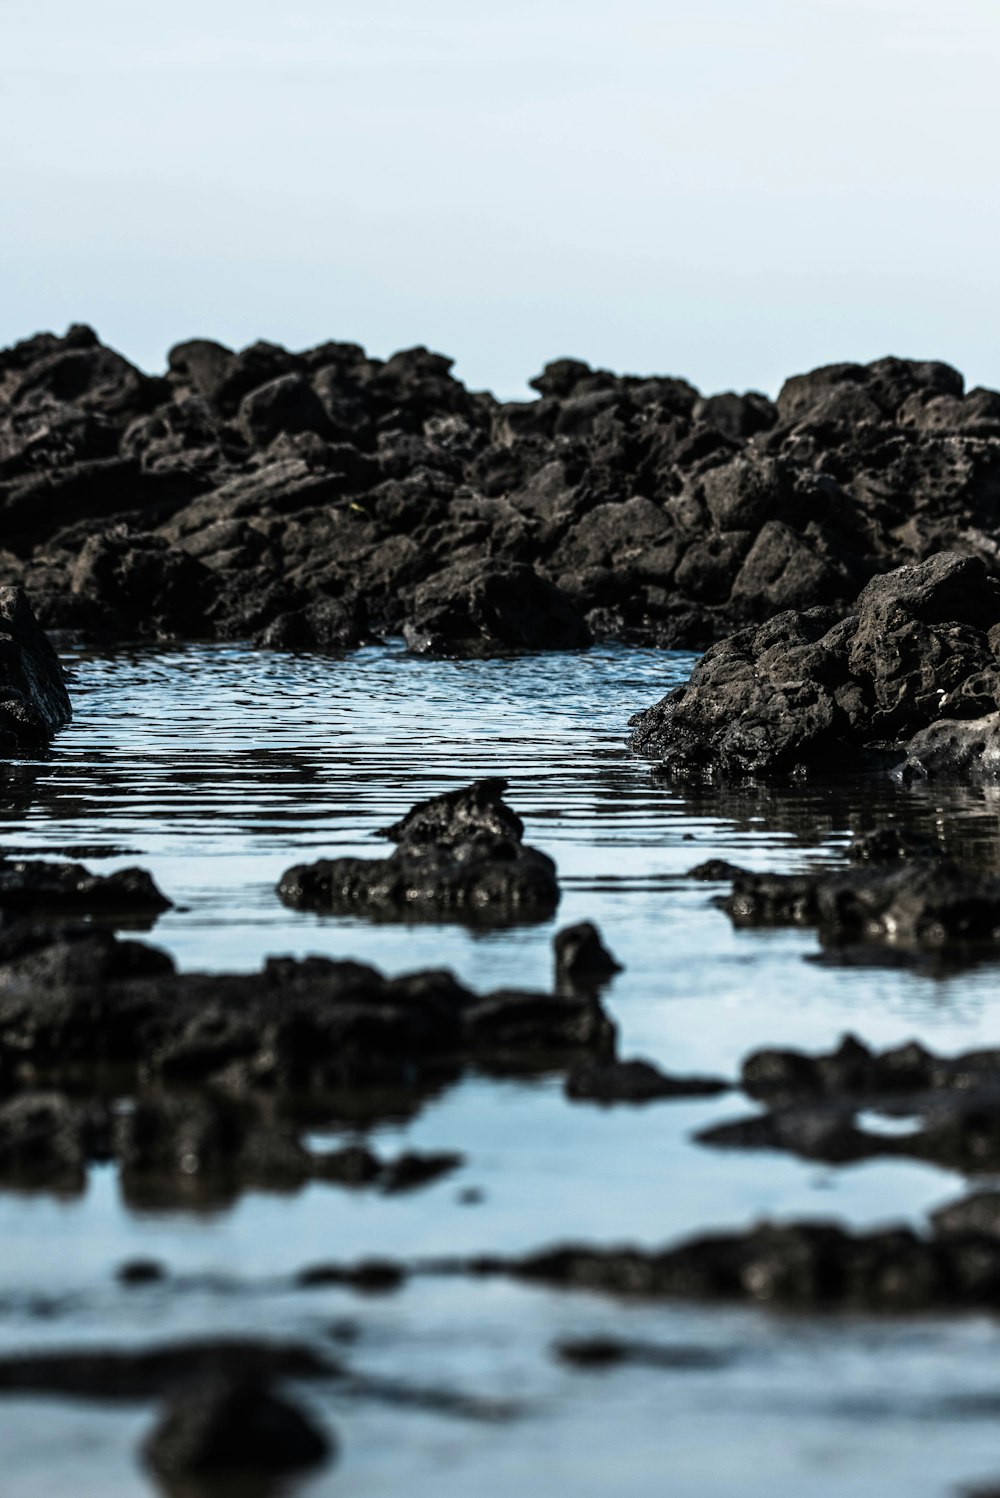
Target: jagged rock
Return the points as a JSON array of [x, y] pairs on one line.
[[626, 507], [459, 856], [805, 691]]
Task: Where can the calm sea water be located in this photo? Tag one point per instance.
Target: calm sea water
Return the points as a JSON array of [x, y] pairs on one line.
[[218, 767]]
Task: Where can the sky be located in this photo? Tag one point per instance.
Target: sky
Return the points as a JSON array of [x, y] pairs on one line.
[[728, 190]]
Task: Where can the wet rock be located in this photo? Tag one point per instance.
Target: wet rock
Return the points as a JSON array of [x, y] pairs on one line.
[[805, 1266], [582, 959], [810, 691], [635, 1082], [150, 1372], [910, 907], [460, 856], [228, 1427], [141, 1272], [33, 697], [38, 887]]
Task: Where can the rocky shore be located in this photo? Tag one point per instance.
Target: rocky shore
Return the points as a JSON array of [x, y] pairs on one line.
[[836, 550], [316, 499]]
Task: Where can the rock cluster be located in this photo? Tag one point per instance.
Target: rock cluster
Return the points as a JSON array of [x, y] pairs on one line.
[[901, 897], [941, 1110], [460, 856], [799, 1266], [216, 1067], [910, 677], [308, 499]]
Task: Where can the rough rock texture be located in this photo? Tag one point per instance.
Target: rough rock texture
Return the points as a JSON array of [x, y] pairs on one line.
[[909, 908], [306, 499], [458, 857], [911, 674], [34, 701]]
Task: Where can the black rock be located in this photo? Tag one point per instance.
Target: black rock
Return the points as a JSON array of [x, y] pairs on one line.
[[228, 1427], [458, 857], [582, 959], [635, 1082], [810, 690], [33, 697]]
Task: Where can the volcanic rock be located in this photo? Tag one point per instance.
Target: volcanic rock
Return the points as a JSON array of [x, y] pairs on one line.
[[458, 857], [910, 674]]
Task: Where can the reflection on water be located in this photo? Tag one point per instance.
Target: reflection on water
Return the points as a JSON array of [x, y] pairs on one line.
[[216, 768]]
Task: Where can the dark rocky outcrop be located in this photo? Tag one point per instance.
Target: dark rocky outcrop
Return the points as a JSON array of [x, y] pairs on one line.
[[942, 1110], [216, 1079], [912, 908], [460, 856], [38, 887], [34, 701], [910, 677], [277, 485], [150, 1372]]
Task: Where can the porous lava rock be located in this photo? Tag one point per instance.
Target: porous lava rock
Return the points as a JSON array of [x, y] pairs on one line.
[[909, 675], [460, 856], [247, 488], [856, 1104]]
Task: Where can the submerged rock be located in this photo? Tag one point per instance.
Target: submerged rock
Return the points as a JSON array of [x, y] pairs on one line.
[[910, 675], [459, 857]]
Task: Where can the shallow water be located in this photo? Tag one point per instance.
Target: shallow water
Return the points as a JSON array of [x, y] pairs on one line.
[[218, 767]]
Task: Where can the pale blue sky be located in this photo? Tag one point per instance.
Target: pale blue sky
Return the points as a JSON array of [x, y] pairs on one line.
[[729, 191]]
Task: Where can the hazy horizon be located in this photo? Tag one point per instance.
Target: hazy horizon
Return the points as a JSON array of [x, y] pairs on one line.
[[669, 188]]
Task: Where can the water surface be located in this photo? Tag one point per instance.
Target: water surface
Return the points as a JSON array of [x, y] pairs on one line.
[[216, 768]]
